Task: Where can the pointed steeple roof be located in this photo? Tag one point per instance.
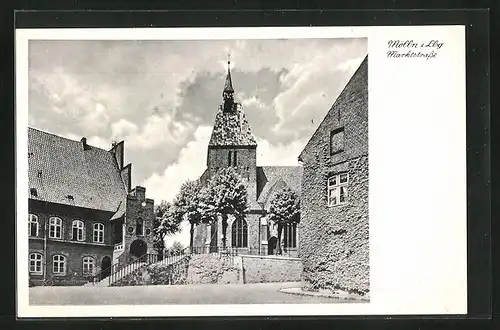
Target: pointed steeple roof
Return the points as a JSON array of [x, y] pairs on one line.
[[228, 86]]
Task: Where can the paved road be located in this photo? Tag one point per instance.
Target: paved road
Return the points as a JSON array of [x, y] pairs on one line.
[[261, 293]]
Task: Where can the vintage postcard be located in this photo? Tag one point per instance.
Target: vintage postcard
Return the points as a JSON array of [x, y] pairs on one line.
[[247, 171]]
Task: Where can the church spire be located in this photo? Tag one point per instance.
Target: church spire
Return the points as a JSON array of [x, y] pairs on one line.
[[228, 86], [227, 93]]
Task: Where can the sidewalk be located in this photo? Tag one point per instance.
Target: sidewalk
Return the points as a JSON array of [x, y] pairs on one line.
[[259, 293]]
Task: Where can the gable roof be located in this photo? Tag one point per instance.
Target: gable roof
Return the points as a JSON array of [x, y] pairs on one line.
[[271, 178], [231, 129], [354, 84], [60, 167]]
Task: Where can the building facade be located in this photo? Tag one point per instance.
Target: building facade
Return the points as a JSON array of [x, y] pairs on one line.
[[334, 197], [83, 215], [232, 144]]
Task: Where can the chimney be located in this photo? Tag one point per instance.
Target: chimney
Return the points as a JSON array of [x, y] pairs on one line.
[[84, 143]]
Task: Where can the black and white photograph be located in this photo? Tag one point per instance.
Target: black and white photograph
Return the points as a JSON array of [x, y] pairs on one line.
[[198, 169], [241, 171]]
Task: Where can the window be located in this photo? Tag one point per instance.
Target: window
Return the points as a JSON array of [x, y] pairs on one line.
[[33, 225], [33, 192], [59, 264], [88, 265], [337, 189], [55, 227], [77, 230], [337, 141], [139, 226], [239, 233], [232, 158], [98, 233], [290, 235], [36, 263]]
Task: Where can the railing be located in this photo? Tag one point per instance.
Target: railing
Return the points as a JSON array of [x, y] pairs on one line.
[[115, 272], [236, 251]]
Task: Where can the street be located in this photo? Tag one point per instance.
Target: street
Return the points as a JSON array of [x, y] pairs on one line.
[[260, 293]]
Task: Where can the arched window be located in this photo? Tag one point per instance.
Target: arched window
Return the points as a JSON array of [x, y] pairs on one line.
[[55, 227], [239, 233], [88, 265], [98, 236], [36, 263], [33, 225], [59, 264], [290, 235], [139, 227], [77, 230]]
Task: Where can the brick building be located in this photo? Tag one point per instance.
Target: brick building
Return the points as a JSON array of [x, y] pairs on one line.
[[83, 214], [334, 196], [233, 144]]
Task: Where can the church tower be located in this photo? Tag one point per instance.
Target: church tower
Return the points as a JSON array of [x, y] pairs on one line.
[[232, 142]]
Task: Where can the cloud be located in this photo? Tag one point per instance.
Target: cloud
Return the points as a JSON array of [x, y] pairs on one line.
[[279, 155], [190, 165]]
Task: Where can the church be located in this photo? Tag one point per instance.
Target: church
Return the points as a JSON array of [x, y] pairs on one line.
[[232, 144], [84, 218]]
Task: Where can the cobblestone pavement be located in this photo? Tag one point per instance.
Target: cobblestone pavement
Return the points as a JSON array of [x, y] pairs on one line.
[[263, 293]]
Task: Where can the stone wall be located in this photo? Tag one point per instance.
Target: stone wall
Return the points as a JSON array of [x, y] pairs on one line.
[[334, 239], [157, 274], [214, 268], [263, 269]]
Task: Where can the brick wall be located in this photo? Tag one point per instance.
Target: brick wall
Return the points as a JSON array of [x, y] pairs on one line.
[[74, 251], [334, 240], [138, 207]]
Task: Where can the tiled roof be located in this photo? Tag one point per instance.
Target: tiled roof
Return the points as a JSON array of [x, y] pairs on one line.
[[59, 167], [231, 129], [271, 178]]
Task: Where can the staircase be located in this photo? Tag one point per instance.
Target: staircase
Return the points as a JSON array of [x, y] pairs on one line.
[[116, 273]]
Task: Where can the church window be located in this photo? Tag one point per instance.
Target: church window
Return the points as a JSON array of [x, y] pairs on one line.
[[336, 141], [98, 236], [290, 235], [232, 158], [77, 230], [33, 225], [59, 264], [139, 227], [239, 233], [55, 227], [36, 263], [337, 189]]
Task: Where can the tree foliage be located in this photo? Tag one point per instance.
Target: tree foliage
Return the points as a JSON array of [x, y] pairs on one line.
[[284, 209], [187, 205], [166, 223], [225, 194]]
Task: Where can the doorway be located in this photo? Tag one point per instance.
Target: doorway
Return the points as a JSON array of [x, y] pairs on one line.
[[271, 245], [138, 248], [105, 267]]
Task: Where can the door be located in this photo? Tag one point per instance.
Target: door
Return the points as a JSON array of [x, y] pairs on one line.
[[213, 238], [271, 245], [105, 267]]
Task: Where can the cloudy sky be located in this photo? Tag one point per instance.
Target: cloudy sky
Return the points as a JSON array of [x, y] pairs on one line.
[[161, 97]]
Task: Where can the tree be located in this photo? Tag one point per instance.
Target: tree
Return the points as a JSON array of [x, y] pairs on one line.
[[175, 248], [284, 209], [187, 205], [224, 194], [165, 223]]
